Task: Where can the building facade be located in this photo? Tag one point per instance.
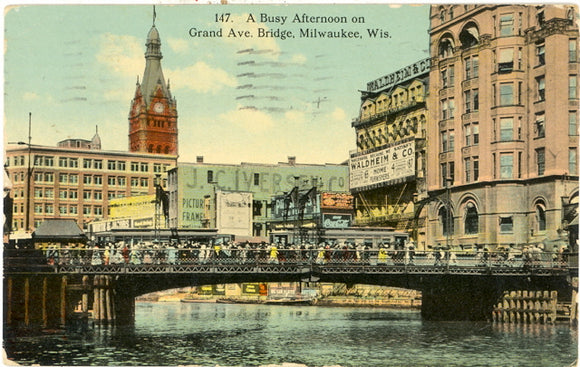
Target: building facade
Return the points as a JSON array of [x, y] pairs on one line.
[[387, 173], [503, 134], [190, 183], [76, 183], [153, 112]]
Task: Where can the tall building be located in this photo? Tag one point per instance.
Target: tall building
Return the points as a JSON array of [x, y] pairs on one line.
[[75, 181], [153, 113], [387, 173], [503, 133]]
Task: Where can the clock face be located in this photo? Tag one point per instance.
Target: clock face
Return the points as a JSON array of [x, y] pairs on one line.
[[158, 107]]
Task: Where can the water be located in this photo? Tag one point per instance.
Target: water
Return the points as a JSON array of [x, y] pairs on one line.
[[264, 335]]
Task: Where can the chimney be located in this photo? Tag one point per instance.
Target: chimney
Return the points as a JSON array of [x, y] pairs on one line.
[[292, 160], [199, 159]]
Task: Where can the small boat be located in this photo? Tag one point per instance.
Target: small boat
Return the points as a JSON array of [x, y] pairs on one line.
[[290, 301], [198, 300], [238, 301]]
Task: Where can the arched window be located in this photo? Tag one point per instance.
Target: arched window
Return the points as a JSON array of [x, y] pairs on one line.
[[446, 220], [159, 149], [167, 149], [150, 149], [446, 48], [442, 14], [469, 36], [541, 216], [471, 223]]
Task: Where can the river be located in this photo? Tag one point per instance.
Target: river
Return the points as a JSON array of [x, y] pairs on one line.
[[209, 334]]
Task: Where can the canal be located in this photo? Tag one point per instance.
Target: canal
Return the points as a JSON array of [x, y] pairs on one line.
[[209, 334]]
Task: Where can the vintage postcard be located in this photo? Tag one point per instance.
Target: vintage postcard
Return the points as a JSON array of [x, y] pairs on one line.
[[290, 184]]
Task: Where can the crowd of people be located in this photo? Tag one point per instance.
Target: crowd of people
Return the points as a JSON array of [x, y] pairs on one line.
[[329, 252]]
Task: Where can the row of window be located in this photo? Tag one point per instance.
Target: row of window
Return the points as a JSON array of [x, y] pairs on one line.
[[96, 180], [89, 163], [471, 219], [65, 209], [506, 166]]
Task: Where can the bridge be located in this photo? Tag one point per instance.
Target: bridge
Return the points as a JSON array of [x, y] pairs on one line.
[[47, 288]]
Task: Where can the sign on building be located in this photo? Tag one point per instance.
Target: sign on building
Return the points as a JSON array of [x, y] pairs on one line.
[[336, 220], [335, 200], [390, 165], [399, 76], [234, 213]]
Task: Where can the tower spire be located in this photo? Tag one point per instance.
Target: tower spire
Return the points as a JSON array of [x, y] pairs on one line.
[[154, 15]]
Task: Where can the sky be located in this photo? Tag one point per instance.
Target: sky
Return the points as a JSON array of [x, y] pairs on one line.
[[239, 99]]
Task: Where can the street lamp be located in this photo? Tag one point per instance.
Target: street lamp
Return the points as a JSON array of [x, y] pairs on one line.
[[157, 185]]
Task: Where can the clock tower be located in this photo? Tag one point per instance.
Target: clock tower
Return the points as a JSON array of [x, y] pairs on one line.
[[153, 113]]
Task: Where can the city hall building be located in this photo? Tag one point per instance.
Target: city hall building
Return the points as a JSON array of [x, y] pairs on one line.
[[388, 171], [503, 124]]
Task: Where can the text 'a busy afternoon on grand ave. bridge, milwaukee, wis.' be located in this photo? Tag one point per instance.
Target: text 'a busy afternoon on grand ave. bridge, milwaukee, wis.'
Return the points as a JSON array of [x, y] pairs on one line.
[[245, 26]]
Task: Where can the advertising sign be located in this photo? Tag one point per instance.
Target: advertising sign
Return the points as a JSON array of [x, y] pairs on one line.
[[336, 220], [406, 73], [234, 213], [383, 167], [333, 200]]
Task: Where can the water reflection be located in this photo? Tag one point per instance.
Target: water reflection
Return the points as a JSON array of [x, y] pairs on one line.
[[254, 335]]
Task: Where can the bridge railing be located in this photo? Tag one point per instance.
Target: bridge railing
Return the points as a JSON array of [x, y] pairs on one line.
[[319, 257]]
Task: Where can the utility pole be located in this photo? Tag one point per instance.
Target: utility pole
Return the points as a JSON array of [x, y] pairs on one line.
[[28, 174]]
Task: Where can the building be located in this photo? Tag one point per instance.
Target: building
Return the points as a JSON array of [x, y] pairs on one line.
[[387, 172], [76, 179], [190, 183], [503, 133], [76, 183], [153, 113]]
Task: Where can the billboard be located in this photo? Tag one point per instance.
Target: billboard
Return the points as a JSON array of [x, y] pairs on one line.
[[336, 220], [390, 165], [336, 200], [234, 213]]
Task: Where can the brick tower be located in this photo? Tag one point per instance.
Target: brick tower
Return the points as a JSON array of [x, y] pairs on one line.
[[153, 113]]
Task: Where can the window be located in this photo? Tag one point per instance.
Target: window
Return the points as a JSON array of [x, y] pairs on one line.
[[467, 169], [63, 162], [572, 123], [86, 195], [156, 168], [63, 178], [256, 179], [541, 86], [475, 168], [134, 182], [98, 210], [111, 165], [87, 179], [73, 178], [111, 181], [572, 53], [86, 210], [73, 194], [540, 54], [541, 18], [98, 180], [541, 160], [506, 129], [467, 134], [38, 193], [506, 162], [63, 194], [451, 69], [144, 182], [444, 141], [98, 164], [49, 193], [49, 209], [506, 60], [144, 167], [506, 94], [121, 181], [451, 108], [506, 25], [49, 177], [98, 195], [38, 208], [447, 174], [62, 209], [541, 217], [444, 109], [506, 225], [87, 163], [540, 127], [471, 219], [572, 86], [134, 166], [444, 79], [572, 161], [209, 176]]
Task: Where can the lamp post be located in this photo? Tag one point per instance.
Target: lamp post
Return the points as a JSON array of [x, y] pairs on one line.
[[157, 204]]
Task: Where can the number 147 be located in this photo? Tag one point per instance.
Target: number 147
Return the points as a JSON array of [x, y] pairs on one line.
[[225, 17]]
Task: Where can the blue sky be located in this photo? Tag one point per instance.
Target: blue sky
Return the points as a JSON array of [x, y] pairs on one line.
[[239, 100]]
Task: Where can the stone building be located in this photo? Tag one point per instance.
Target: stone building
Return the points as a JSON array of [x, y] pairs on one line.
[[387, 173], [503, 133]]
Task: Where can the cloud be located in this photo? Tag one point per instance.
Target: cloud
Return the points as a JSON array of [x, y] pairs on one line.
[[178, 45], [295, 117], [30, 96], [201, 77], [338, 115], [253, 121], [122, 54], [299, 59]]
